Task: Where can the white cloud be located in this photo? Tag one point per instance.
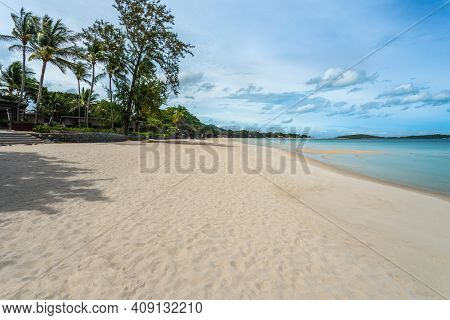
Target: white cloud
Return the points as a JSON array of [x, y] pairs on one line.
[[307, 108], [402, 90], [337, 78], [188, 80], [356, 89], [286, 121], [424, 98], [206, 87], [310, 105], [255, 94], [267, 107], [348, 110], [372, 105], [251, 89]]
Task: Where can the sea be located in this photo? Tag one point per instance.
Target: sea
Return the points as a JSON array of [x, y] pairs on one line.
[[418, 163]]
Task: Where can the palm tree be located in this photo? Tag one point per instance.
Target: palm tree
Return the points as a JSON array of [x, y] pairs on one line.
[[10, 82], [25, 27], [178, 117], [54, 103], [54, 44], [113, 40], [80, 70], [94, 53], [87, 96], [11, 78], [113, 68]]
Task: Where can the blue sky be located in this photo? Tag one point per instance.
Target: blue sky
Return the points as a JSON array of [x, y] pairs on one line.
[[281, 63]]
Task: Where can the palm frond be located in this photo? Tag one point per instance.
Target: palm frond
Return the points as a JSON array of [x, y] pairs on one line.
[[99, 77], [34, 56], [16, 47], [5, 37], [61, 64], [53, 44]]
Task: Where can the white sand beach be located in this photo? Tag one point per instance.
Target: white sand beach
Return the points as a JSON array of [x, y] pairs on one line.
[[87, 221]]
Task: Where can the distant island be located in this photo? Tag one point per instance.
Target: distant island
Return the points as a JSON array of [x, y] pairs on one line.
[[359, 136], [253, 133], [365, 136]]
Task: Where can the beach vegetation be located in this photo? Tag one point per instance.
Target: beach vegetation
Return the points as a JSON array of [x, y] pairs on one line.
[[53, 44], [11, 79], [81, 73], [45, 128], [151, 46], [94, 52], [25, 28], [139, 58]]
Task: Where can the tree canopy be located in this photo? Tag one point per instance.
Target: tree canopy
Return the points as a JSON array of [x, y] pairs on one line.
[[150, 45], [140, 58]]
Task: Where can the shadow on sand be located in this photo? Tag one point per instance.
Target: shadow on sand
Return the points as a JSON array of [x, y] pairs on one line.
[[30, 181]]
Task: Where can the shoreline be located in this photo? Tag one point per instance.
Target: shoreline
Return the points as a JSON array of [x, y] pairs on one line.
[[357, 175]]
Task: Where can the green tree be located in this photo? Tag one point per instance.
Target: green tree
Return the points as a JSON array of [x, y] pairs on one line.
[[209, 131], [80, 71], [178, 117], [54, 44], [25, 27], [55, 105], [149, 40], [94, 53], [11, 79], [151, 94], [87, 96], [154, 124], [113, 41], [102, 111]]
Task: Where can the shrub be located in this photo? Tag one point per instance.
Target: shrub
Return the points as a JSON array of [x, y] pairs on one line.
[[42, 129], [57, 128]]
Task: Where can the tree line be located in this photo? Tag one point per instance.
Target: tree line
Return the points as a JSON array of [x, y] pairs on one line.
[[139, 59], [137, 62]]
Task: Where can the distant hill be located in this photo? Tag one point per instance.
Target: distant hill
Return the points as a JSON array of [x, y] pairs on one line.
[[359, 136], [366, 136], [431, 136], [218, 129]]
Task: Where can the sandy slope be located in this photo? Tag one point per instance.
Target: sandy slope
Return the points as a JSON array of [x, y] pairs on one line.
[[88, 221]]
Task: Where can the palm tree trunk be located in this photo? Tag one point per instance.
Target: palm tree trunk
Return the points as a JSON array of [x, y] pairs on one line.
[[90, 96], [22, 87], [41, 83], [129, 106], [79, 104], [111, 101]]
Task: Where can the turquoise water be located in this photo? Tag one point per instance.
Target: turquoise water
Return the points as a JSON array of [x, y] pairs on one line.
[[418, 163]]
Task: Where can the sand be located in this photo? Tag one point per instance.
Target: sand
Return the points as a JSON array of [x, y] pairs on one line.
[[93, 221]]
